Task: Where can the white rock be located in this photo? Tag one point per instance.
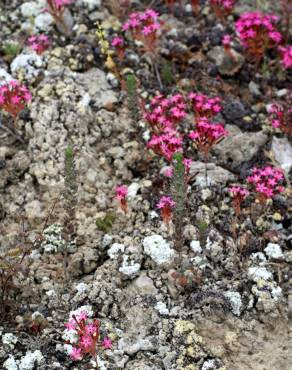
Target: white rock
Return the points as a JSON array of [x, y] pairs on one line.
[[282, 151], [209, 365], [195, 246], [43, 22], [235, 301], [132, 190], [206, 194], [9, 339], [32, 8], [115, 250], [158, 249], [4, 76], [86, 308], [90, 4], [274, 251], [29, 361], [81, 287], [161, 308], [257, 273], [30, 63], [258, 258], [276, 292], [129, 268], [107, 239], [10, 363]]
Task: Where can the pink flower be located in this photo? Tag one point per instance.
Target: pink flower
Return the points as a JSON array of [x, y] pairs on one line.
[[121, 192], [117, 41], [226, 41], [14, 97], [76, 354], [107, 343], [166, 205], [71, 325], [86, 342], [286, 54], [39, 43]]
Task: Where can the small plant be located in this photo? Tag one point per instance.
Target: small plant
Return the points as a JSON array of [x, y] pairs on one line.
[[106, 51], [281, 116], [267, 182], [167, 73], [121, 196], [39, 43], [14, 97], [166, 206], [133, 98], [70, 202], [222, 8], [58, 10], [238, 194], [202, 227], [258, 33], [85, 337], [207, 135], [11, 49], [119, 44], [105, 223], [143, 27], [179, 193]]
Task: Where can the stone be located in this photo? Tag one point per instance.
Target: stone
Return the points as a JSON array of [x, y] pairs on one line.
[[239, 147], [115, 250], [161, 308], [257, 273], [216, 175], [274, 251], [30, 64], [143, 285], [90, 4], [129, 268], [196, 246], [235, 301], [158, 249], [282, 152], [227, 65], [234, 110]]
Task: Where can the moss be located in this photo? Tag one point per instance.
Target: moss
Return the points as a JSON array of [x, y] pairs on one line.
[[106, 223]]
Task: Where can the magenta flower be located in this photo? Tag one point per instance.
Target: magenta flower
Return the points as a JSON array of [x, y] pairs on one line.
[[39, 43], [121, 193], [166, 144], [107, 343], [226, 40], [204, 106], [117, 41], [266, 182], [286, 55], [76, 354], [14, 97], [281, 116], [207, 135], [166, 206]]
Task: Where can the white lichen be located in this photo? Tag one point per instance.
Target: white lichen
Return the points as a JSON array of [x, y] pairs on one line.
[[161, 308], [115, 250], [31, 360], [9, 339], [235, 301], [274, 251], [129, 268], [158, 249], [257, 273], [196, 246]]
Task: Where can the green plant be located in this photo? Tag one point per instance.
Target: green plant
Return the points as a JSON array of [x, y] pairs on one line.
[[70, 201], [178, 192], [11, 49], [167, 73], [133, 101], [202, 226], [106, 223]]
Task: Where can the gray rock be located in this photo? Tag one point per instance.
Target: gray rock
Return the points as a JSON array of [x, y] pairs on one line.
[[226, 64], [239, 147], [234, 110], [143, 285], [216, 175], [282, 151]]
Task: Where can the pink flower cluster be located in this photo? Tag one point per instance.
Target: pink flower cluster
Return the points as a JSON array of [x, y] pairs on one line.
[[121, 194], [257, 32], [145, 23], [39, 43], [204, 106], [86, 334], [13, 97], [207, 134], [267, 181], [225, 4], [166, 112], [60, 3], [226, 41], [238, 194], [166, 144], [281, 117], [117, 41], [166, 205], [286, 54]]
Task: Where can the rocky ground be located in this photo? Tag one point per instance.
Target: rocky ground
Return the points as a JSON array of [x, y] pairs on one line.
[[237, 313]]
